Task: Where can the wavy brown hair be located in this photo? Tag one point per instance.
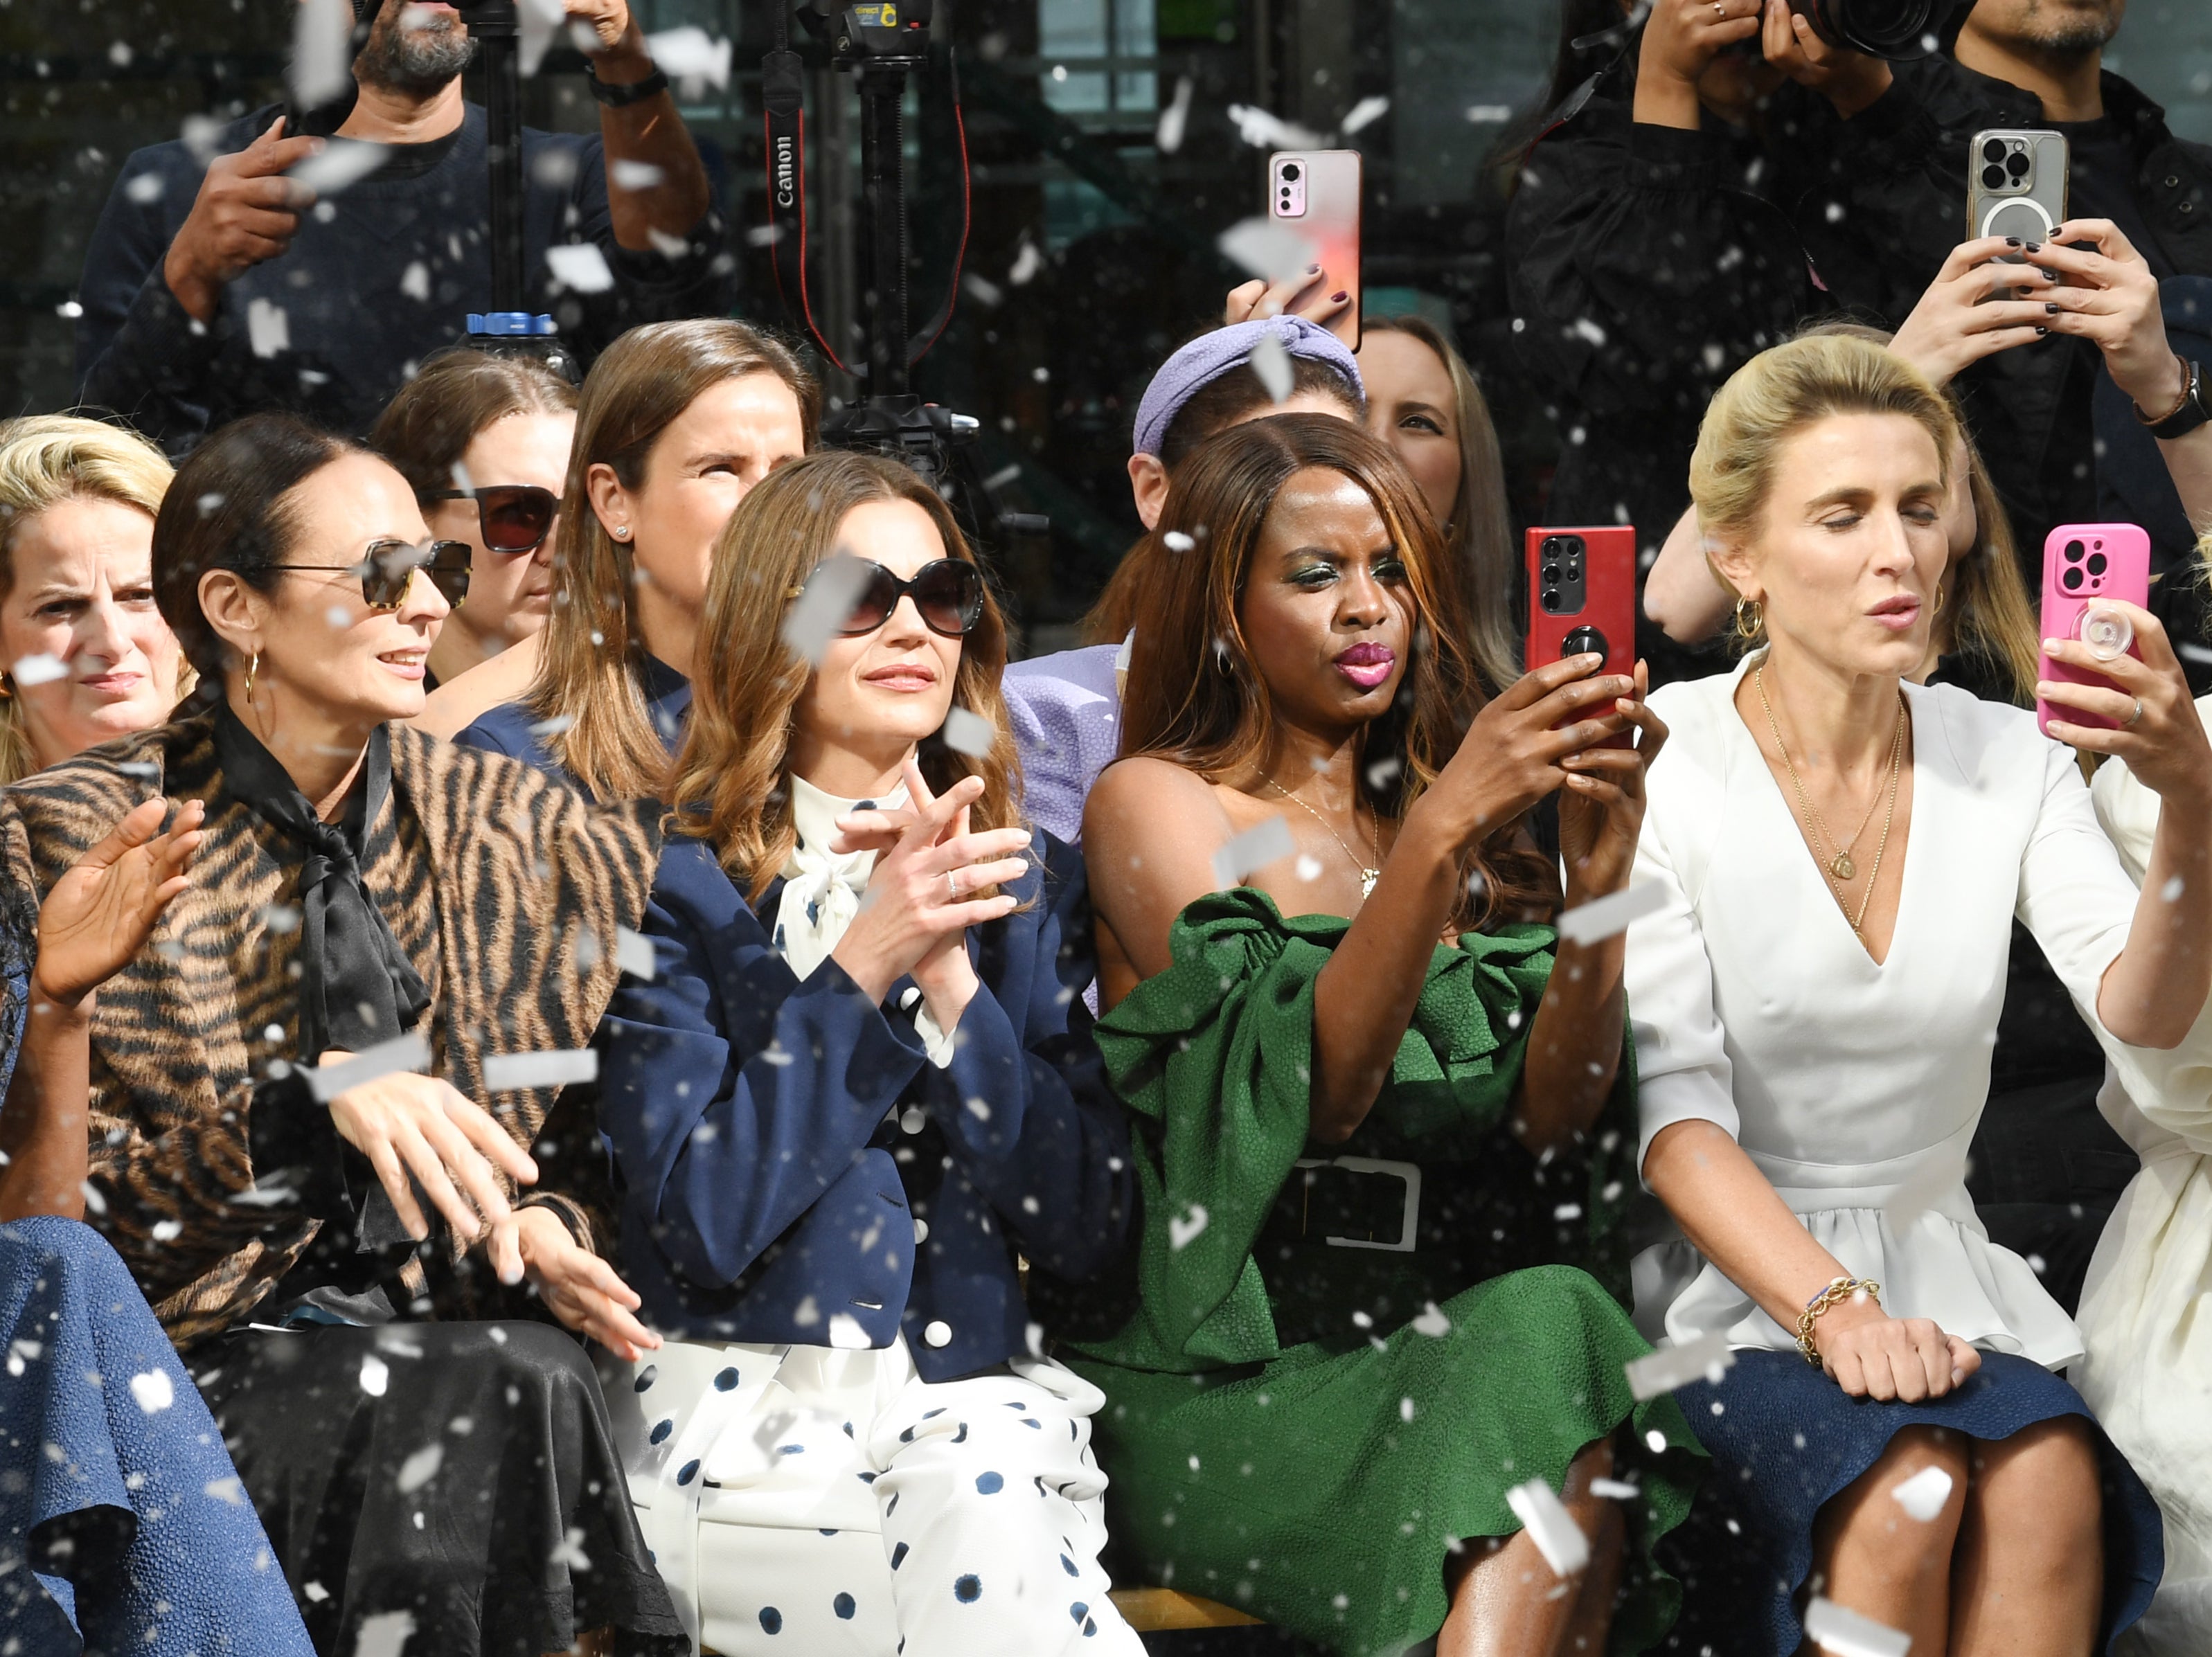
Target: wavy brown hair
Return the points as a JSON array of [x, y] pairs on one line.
[[729, 780], [1195, 696], [591, 670]]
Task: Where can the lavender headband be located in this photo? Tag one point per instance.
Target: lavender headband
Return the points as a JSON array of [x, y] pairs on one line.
[[1208, 357]]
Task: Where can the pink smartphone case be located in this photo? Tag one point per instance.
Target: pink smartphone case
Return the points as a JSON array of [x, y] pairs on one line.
[[2083, 562]]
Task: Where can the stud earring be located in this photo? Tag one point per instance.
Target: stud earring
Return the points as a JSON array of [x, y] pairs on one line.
[[621, 531]]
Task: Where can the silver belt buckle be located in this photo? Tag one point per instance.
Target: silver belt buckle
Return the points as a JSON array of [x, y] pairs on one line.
[[1407, 1225]]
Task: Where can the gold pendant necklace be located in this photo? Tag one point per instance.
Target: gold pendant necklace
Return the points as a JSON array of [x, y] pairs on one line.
[[1840, 868], [1368, 876]]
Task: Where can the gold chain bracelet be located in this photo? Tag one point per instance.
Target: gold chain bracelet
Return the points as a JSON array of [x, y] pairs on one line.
[[1839, 1290]]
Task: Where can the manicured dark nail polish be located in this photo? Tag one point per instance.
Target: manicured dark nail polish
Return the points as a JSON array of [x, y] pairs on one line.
[[2012, 241], [2041, 332], [1339, 297], [1313, 270], [2052, 309], [2035, 247]]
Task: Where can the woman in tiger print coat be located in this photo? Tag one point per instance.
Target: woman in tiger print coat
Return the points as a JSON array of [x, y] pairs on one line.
[[329, 1259]]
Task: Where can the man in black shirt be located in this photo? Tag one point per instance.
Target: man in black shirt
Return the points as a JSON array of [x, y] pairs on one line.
[[216, 284]]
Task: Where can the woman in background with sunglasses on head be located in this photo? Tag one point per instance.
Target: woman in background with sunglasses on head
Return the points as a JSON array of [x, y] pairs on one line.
[[677, 421], [483, 440], [357, 884], [858, 1082]]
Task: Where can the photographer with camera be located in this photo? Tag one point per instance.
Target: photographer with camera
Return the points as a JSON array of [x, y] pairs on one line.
[[218, 284]]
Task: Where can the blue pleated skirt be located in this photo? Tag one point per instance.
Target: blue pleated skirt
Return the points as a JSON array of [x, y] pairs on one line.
[[1784, 1439]]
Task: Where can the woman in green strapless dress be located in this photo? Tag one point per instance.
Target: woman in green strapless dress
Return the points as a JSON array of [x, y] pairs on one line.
[[1386, 1119]]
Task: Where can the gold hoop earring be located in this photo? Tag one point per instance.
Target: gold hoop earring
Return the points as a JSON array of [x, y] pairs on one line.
[[1938, 609], [1750, 619], [7, 688], [251, 668]]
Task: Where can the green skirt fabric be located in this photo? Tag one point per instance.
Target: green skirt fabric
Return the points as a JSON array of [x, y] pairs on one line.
[[1321, 1491]]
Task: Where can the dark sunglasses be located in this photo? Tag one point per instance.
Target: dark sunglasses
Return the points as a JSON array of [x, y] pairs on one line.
[[514, 518], [948, 593], [388, 566]]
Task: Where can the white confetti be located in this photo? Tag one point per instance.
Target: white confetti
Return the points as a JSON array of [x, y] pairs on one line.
[[266, 328], [344, 161], [579, 265], [1267, 247], [1176, 118], [635, 175], [41, 668], [570, 1551], [1184, 1230], [693, 57], [1706, 1359], [1616, 911], [540, 20], [1265, 131], [1615, 1489], [1847, 1634], [980, 289], [1487, 114], [1550, 1526], [376, 1375], [1176, 541], [2171, 891], [1432, 1322], [1308, 868], [201, 133], [322, 52], [420, 1468], [1256, 849], [226, 1490], [552, 726], [167, 1230], [818, 613], [847, 1334], [968, 733], [1924, 1494], [153, 1391], [1365, 112], [147, 189], [1028, 261], [384, 1635], [1272, 363], [414, 282], [316, 1592], [406, 1053], [554, 1069]]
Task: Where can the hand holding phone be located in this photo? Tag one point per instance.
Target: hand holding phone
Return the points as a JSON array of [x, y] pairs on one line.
[[2085, 566], [1317, 194], [1582, 598]]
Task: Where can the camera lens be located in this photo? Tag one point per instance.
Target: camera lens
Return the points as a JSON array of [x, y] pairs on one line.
[[1880, 28], [2096, 563], [1551, 598], [2073, 552], [1993, 151], [2017, 165], [1993, 177], [1551, 546], [2071, 580], [1290, 173], [1551, 571]]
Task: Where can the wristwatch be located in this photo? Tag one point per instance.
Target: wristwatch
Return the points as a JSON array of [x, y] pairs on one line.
[[614, 96], [2189, 413]]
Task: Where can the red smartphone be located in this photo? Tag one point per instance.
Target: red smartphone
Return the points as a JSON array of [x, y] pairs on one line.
[[2081, 564], [1315, 192], [1582, 597]]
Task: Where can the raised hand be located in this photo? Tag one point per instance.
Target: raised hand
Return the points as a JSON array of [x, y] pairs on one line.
[[1312, 294], [2107, 294], [2161, 736], [1958, 320], [1681, 38], [577, 1286], [922, 892], [1869, 1354], [1510, 758], [247, 211], [1602, 806], [99, 914], [1849, 79], [407, 1123]]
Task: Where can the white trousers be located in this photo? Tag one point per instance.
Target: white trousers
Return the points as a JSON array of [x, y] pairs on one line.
[[830, 1502]]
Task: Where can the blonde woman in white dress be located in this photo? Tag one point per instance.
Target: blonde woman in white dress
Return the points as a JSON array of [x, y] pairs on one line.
[[1840, 856]]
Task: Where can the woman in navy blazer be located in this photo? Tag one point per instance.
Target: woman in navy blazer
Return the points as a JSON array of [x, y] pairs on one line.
[[858, 1091]]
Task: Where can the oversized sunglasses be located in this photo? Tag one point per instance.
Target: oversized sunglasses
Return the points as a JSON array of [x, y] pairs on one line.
[[388, 566], [947, 592], [513, 517]]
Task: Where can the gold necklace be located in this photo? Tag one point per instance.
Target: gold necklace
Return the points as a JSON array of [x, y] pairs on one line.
[[1840, 868], [1367, 876]]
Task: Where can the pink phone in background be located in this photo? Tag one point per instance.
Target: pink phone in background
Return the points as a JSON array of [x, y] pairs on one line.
[[2081, 564], [1315, 192]]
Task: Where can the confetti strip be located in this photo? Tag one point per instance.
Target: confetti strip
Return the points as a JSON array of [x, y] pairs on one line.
[[579, 266], [1846, 1634], [634, 953], [1550, 1526], [406, 1052], [1615, 1489], [1924, 1494], [322, 53], [819, 612], [968, 733], [1267, 247], [555, 1069], [1365, 112], [1174, 119], [1181, 1233], [41, 668], [153, 1391], [1272, 363], [420, 1468], [1256, 849], [1705, 1359], [1614, 912], [267, 329], [344, 161], [692, 56]]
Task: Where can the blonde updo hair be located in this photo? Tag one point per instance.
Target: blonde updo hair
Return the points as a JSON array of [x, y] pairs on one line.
[[1779, 393], [45, 460]]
